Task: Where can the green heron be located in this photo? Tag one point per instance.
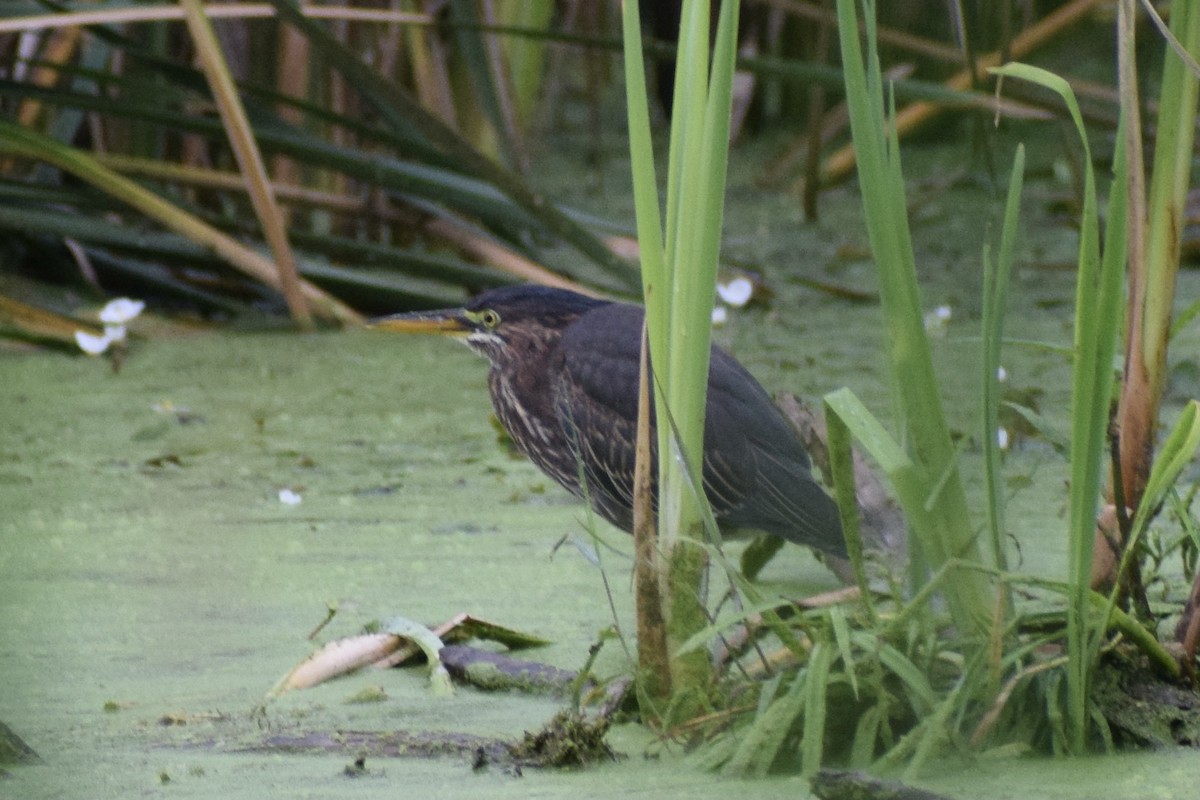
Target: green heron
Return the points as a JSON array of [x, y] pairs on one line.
[[564, 383]]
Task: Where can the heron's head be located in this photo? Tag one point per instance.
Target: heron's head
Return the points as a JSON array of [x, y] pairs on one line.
[[504, 325]]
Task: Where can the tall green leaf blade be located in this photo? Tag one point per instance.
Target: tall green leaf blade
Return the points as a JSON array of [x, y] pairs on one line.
[[996, 283], [948, 531], [1098, 293]]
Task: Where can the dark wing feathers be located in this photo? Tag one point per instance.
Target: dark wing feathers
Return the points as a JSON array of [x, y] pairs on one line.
[[593, 398], [756, 473], [779, 494]]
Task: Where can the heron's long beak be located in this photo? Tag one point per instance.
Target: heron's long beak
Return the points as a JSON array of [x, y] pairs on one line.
[[449, 322]]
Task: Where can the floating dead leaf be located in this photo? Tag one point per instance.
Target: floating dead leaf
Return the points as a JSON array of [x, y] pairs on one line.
[[337, 658], [398, 641], [463, 628], [430, 644]]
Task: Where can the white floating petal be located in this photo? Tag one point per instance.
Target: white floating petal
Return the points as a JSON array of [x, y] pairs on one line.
[[290, 498], [121, 310], [720, 313], [737, 292], [936, 320], [91, 344]]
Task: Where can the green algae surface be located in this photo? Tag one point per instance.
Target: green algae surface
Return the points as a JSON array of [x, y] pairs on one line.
[[154, 585]]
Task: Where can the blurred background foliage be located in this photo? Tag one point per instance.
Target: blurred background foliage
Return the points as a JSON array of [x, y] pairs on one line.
[[398, 141]]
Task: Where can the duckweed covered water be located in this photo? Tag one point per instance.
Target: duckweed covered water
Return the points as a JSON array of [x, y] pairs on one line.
[[153, 586]]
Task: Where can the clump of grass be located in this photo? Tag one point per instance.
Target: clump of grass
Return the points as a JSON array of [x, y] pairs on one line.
[[567, 740]]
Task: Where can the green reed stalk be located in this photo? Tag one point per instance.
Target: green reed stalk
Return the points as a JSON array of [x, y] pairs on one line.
[[679, 266], [995, 301]]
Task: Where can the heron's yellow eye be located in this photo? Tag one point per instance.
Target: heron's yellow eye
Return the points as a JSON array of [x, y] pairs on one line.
[[489, 318]]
